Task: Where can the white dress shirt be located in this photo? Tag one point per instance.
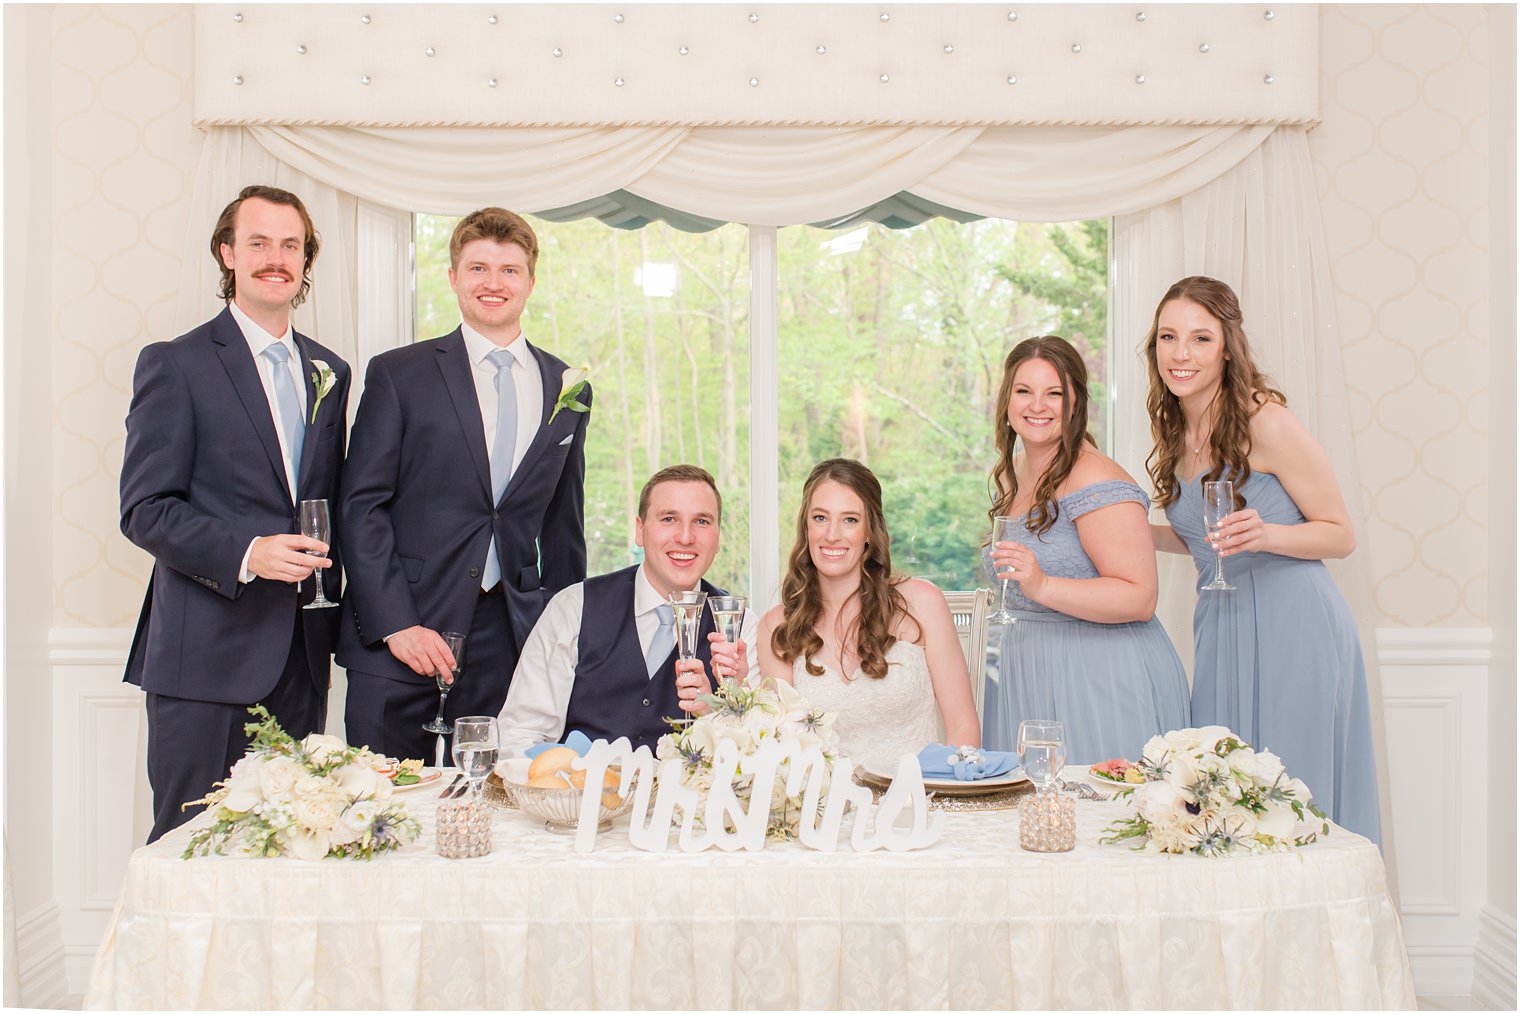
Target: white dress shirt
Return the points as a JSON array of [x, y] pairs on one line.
[[525, 376], [539, 696], [258, 340]]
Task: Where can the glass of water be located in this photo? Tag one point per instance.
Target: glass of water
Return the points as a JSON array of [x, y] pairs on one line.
[[1042, 751], [476, 743]]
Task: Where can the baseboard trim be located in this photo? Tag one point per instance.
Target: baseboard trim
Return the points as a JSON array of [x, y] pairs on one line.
[[40, 957], [1494, 960]]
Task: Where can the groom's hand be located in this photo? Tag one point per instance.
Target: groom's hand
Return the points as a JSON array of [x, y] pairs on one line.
[[285, 557], [421, 650], [691, 683]]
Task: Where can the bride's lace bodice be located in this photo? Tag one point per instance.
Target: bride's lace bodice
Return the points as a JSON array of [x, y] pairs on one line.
[[879, 720]]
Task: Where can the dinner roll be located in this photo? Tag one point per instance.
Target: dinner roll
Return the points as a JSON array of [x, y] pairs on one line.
[[555, 759]]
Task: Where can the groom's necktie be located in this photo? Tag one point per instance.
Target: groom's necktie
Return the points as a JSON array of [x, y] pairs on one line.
[[664, 638], [503, 448], [287, 405]]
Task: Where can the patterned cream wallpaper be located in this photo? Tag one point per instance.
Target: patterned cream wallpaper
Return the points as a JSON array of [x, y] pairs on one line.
[[1401, 161], [1401, 165]]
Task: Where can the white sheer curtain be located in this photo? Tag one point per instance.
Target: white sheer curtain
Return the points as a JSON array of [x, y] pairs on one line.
[[1258, 228]]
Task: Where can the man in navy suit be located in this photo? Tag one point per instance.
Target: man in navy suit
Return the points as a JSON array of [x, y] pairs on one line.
[[462, 500], [231, 425]]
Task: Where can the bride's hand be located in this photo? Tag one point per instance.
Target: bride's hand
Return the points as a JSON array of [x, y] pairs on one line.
[[730, 659], [691, 683]]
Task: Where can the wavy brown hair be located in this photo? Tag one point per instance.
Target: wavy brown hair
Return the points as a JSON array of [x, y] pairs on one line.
[[802, 598], [1043, 509], [1243, 390], [225, 232]]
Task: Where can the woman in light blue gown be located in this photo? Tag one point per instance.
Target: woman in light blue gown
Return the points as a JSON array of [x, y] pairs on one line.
[[1085, 648], [1278, 659]]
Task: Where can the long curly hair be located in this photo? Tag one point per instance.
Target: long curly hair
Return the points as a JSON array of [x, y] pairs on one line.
[[1243, 390], [1043, 509], [802, 598]]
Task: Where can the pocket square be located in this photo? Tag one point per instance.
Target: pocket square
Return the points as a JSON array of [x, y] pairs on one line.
[[567, 440]]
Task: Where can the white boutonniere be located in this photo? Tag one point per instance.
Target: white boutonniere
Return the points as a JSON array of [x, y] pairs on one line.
[[570, 385], [322, 379]]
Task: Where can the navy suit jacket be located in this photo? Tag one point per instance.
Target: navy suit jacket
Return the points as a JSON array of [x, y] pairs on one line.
[[417, 509], [202, 476]]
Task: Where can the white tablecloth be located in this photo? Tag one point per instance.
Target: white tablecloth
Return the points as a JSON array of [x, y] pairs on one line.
[[972, 922]]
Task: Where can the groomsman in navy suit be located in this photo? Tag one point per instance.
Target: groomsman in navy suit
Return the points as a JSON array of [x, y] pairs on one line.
[[231, 425], [462, 500], [602, 660]]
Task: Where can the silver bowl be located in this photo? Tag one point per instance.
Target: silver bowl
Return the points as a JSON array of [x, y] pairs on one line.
[[559, 809]]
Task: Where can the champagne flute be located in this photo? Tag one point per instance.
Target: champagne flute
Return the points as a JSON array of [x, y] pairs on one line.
[[1042, 750], [1003, 529], [687, 607], [446, 681], [728, 615], [477, 743], [315, 524], [1218, 504]]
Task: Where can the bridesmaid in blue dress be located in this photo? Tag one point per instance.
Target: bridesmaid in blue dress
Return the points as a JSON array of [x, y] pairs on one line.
[[1278, 659], [1085, 648]]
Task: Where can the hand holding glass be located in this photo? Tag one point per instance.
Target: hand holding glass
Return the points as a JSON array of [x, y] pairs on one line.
[[446, 681], [687, 607], [1218, 504], [728, 615], [1042, 751], [1003, 529], [476, 745], [316, 524]]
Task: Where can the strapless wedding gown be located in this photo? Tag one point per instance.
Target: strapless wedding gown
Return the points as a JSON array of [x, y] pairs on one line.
[[879, 720]]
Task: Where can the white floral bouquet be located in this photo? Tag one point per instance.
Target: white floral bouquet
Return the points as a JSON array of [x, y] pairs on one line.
[[316, 798], [748, 717], [1206, 792]]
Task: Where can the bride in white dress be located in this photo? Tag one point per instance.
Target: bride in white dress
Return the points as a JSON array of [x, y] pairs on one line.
[[881, 651]]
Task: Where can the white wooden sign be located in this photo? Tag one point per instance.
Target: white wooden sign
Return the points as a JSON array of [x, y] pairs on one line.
[[875, 826]]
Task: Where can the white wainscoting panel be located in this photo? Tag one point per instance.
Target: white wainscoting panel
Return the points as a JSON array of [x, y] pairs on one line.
[[1435, 688], [1435, 708]]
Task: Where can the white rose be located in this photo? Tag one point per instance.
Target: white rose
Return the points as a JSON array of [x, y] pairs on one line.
[[1209, 736], [279, 776], [354, 821], [319, 747], [702, 737], [309, 785], [1183, 739], [1262, 768], [317, 812], [1156, 749], [306, 843], [244, 785], [1299, 789]]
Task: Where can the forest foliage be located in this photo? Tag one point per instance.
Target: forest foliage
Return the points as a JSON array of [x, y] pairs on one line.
[[891, 344]]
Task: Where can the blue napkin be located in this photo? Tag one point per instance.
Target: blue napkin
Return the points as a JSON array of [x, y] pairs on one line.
[[940, 761], [576, 741]]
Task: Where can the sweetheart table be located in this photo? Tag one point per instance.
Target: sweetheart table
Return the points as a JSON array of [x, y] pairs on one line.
[[972, 922]]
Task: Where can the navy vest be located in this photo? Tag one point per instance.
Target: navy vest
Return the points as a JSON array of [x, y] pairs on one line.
[[613, 694]]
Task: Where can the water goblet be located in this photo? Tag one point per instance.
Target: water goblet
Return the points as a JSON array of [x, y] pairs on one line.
[[316, 524], [477, 742], [446, 681], [1003, 530], [1218, 504], [1042, 750]]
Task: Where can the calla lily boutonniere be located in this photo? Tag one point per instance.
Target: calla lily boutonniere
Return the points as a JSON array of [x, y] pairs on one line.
[[570, 385], [322, 379]]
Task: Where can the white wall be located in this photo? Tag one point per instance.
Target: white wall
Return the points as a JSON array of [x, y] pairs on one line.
[[98, 162]]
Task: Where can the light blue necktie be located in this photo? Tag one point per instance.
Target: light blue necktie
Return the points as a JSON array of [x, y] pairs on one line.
[[503, 447], [287, 405], [664, 638]]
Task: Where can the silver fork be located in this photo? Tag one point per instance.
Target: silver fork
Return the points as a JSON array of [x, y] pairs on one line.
[[449, 792], [1080, 790]]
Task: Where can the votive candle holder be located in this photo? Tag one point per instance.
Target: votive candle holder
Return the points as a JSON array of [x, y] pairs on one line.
[[463, 829], [1048, 822]]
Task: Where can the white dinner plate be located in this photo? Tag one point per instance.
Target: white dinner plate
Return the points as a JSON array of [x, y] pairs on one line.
[[427, 776], [1012, 778], [1109, 783]]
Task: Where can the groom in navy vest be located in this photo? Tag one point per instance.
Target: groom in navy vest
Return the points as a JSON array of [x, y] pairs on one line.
[[462, 499], [232, 425], [602, 658]]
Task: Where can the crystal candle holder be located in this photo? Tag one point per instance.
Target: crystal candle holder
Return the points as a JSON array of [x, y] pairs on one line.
[[464, 830], [1048, 822]]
